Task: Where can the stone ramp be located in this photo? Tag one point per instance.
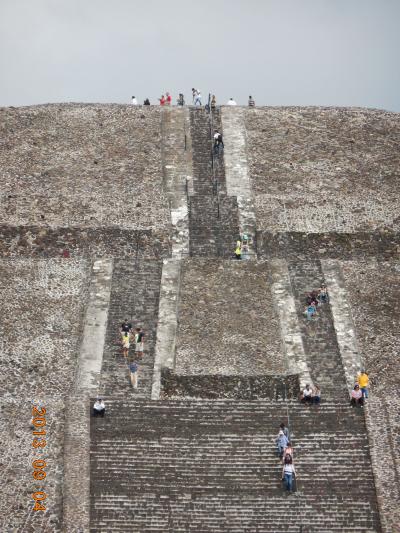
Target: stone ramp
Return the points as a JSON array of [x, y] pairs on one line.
[[204, 466], [318, 334], [134, 295]]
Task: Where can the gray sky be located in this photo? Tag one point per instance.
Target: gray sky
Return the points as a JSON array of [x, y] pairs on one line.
[[283, 52]]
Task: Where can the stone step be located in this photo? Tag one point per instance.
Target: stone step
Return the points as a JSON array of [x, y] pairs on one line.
[[163, 465]]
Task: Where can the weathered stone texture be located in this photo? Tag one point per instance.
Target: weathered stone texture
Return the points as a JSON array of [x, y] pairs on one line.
[[324, 169], [17, 454], [227, 321], [238, 387], [37, 241], [41, 309], [374, 295], [82, 165], [40, 320]]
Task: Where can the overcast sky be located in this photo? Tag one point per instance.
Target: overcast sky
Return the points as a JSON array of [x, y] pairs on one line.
[[283, 52]]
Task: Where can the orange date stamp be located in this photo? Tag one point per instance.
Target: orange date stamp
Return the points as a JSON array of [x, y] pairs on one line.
[[39, 443]]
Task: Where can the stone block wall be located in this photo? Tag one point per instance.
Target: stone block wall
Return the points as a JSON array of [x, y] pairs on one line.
[[235, 387]]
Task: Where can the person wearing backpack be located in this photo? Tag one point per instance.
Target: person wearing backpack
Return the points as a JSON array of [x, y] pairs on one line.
[[281, 443], [288, 473]]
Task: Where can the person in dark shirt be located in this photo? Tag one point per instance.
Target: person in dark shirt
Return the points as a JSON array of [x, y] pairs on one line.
[[126, 327], [139, 342], [146, 102], [251, 102]]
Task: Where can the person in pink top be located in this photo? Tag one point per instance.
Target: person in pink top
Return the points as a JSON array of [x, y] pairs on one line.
[[357, 396], [162, 100], [168, 99]]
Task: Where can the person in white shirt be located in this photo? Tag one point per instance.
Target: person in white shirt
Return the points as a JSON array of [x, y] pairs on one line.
[[134, 100], [307, 394], [288, 472], [99, 408], [231, 101]]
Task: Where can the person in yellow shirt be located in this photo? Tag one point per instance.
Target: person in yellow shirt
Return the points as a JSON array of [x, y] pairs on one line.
[[238, 250], [363, 381]]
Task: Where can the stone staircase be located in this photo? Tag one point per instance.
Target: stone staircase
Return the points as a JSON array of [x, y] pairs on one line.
[[210, 467], [319, 336], [213, 216], [134, 295]]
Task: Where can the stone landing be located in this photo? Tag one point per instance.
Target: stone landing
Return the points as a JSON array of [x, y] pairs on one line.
[[228, 324]]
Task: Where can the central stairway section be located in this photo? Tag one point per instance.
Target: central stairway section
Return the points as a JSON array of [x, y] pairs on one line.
[[213, 216], [210, 467]]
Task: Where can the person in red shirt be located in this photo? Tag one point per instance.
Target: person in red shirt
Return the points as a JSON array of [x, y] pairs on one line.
[[169, 99], [162, 100]]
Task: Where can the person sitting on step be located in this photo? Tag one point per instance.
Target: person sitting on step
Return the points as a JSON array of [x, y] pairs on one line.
[[323, 293], [310, 310], [357, 396], [316, 395], [281, 443], [99, 407], [306, 396]]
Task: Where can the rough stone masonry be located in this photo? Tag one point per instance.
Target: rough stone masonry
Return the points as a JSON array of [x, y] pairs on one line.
[[80, 182]]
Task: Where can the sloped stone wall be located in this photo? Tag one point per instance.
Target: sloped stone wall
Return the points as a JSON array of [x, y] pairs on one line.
[[319, 170], [86, 165]]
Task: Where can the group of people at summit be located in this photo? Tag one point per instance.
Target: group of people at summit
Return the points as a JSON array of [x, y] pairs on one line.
[[197, 100]]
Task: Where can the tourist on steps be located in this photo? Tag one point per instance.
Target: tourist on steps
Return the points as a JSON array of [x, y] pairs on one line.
[[181, 100], [139, 342], [231, 101], [133, 371], [218, 142], [168, 99], [213, 102], [251, 102], [134, 100], [146, 102], [125, 344], [285, 430], [99, 408], [126, 327], [288, 473], [306, 396], [363, 381], [357, 396], [281, 443], [287, 452], [162, 100], [323, 294], [238, 250], [310, 310], [316, 395]]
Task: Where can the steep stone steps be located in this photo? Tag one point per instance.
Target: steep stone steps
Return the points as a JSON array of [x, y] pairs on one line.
[[134, 295], [213, 217], [211, 466], [318, 334]]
